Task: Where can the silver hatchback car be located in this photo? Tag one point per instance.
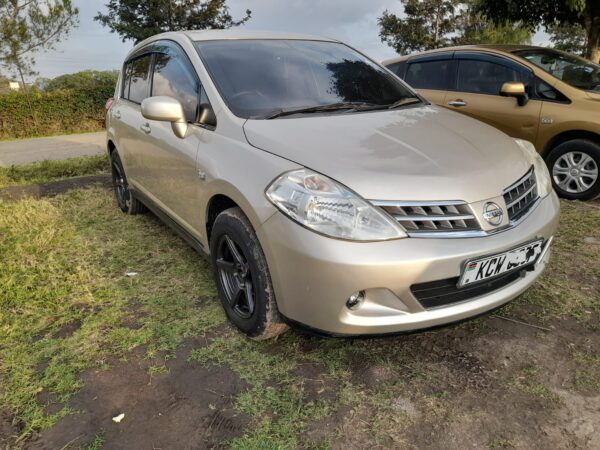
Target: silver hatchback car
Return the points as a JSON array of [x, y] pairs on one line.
[[326, 192]]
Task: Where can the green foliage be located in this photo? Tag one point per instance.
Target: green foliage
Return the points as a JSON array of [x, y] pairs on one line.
[[29, 26], [30, 114], [429, 24], [495, 34], [88, 79], [475, 28], [140, 19], [568, 38], [549, 14]]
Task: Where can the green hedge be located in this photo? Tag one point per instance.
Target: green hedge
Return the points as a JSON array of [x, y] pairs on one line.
[[33, 114]]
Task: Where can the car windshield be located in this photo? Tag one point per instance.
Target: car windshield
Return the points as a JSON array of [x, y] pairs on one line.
[[269, 78], [573, 70]]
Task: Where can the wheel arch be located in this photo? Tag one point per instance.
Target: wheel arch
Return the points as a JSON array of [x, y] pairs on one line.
[[570, 135], [110, 147], [216, 205]]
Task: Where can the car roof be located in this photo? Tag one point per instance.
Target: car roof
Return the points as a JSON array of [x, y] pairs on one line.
[[497, 48], [241, 34], [215, 35]]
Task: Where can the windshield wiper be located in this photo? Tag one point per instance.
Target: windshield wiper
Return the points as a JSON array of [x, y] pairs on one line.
[[405, 102], [358, 106]]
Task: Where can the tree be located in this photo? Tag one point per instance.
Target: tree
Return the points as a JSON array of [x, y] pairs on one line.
[[432, 24], [473, 27], [88, 79], [568, 38], [427, 25], [551, 13], [140, 19], [29, 26]]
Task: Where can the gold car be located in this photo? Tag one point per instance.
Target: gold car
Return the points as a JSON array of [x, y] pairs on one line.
[[548, 97]]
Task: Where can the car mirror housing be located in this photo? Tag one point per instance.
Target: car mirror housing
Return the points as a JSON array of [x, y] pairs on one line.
[[515, 89], [166, 109]]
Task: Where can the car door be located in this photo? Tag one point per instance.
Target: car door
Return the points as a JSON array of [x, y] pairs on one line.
[[431, 76], [477, 94], [169, 163]]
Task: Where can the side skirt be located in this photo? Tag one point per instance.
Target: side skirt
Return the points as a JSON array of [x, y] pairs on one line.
[[168, 220]]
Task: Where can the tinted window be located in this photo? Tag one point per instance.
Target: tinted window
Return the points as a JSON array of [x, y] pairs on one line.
[[260, 77], [429, 75], [175, 77], [484, 77], [139, 85], [398, 68], [546, 92]]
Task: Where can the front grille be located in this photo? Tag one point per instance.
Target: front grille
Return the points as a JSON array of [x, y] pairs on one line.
[[445, 292], [521, 196], [431, 217]]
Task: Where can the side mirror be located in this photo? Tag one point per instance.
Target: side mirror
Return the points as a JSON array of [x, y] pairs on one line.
[[166, 109], [207, 115], [515, 89]]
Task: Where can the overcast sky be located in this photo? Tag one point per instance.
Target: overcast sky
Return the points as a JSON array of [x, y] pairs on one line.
[[92, 46]]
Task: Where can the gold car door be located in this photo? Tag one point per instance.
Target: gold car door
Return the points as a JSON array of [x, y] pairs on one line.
[[477, 94]]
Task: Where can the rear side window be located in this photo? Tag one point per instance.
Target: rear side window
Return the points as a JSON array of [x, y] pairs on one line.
[[484, 77], [139, 84], [175, 77], [430, 74]]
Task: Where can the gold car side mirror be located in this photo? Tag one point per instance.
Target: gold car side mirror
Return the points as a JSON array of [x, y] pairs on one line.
[[515, 89], [166, 109]]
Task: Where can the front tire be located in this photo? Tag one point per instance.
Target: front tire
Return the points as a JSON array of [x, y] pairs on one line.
[[575, 169], [125, 199], [242, 277]]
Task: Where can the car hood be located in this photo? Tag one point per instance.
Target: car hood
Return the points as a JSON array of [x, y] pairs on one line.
[[421, 153]]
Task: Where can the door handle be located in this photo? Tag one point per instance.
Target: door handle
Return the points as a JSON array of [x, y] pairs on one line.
[[457, 103], [117, 114], [146, 128]]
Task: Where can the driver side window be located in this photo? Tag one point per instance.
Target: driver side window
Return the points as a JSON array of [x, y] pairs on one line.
[[175, 77], [483, 77]]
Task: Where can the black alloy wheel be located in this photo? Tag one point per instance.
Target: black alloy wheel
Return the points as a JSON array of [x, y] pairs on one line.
[[235, 275]]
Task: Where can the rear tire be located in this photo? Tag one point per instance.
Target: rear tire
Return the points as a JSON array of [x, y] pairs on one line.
[[575, 169], [125, 199], [242, 277]]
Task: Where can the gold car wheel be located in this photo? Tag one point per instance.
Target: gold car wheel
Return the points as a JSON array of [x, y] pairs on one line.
[[575, 172]]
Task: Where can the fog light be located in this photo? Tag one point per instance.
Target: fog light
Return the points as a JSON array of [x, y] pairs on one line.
[[355, 300]]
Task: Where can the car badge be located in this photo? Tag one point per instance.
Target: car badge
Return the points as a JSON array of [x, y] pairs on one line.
[[493, 213]]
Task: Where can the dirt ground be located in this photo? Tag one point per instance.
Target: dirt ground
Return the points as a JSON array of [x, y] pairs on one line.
[[523, 377], [468, 371]]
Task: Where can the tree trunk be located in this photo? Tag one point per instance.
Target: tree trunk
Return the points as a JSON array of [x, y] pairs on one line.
[[20, 70], [592, 28]]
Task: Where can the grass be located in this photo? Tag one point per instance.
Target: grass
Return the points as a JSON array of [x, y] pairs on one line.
[[66, 306], [529, 382], [46, 171], [63, 269]]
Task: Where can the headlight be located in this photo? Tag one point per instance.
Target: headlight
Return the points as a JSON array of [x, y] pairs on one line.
[[542, 176], [327, 207]]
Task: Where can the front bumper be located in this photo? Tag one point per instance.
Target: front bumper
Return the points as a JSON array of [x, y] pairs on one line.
[[313, 276]]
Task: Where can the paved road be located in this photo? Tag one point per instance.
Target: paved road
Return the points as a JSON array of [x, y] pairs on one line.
[[57, 147]]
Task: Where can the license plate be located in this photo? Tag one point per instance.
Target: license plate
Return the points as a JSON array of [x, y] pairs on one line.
[[492, 266]]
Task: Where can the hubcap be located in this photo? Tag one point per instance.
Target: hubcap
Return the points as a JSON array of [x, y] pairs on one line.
[[575, 172], [236, 277]]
